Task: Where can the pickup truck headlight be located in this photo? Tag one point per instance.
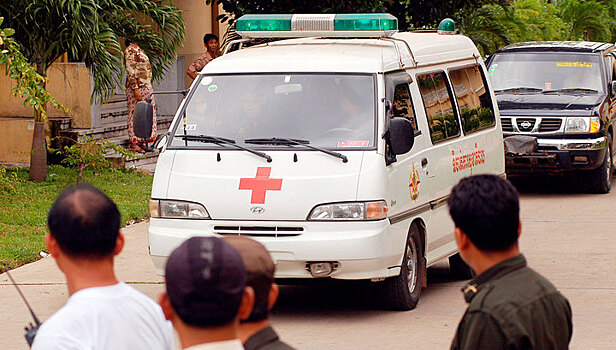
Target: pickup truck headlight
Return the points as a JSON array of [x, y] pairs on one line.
[[168, 209], [574, 125], [375, 210]]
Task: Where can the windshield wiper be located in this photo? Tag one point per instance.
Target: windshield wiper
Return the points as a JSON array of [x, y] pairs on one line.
[[295, 142], [571, 90], [222, 141], [518, 89]]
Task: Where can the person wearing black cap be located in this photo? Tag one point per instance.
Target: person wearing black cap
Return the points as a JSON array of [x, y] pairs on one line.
[[256, 331], [206, 294], [510, 305]]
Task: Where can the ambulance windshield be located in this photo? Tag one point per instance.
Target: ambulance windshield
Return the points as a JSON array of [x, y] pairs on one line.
[[333, 111]]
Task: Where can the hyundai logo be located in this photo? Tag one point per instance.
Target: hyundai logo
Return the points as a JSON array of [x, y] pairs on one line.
[[526, 124], [257, 210]]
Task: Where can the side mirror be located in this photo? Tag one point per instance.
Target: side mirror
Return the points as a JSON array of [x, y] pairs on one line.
[[401, 136], [160, 142], [613, 87], [142, 121]]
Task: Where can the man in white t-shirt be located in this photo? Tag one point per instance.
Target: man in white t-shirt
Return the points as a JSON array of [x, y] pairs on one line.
[[101, 312], [206, 294]]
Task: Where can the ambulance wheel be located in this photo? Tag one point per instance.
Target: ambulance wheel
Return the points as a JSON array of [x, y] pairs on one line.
[[459, 269], [600, 179], [402, 291]]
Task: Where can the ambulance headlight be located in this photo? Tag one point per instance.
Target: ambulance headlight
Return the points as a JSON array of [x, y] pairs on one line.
[[167, 209], [376, 210]]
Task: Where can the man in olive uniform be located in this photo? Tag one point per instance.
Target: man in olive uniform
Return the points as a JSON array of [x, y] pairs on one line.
[[255, 331], [510, 305]]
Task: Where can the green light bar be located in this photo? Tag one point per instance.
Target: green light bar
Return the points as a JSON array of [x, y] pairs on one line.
[[263, 23], [373, 25]]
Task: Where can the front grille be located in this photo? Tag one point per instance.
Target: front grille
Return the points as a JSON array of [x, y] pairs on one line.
[[506, 124], [258, 231], [525, 124], [550, 124]]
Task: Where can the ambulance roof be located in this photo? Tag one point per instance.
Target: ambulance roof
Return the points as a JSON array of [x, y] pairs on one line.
[[345, 55]]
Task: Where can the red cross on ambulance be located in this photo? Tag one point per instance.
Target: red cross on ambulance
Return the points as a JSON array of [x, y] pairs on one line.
[[260, 184]]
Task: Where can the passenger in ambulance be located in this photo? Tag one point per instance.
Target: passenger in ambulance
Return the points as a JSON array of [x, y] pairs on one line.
[[252, 116]]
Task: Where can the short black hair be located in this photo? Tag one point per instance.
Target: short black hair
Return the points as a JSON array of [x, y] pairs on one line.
[[127, 42], [487, 209], [209, 36], [84, 222]]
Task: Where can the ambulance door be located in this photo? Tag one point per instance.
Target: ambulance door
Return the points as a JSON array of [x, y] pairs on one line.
[[446, 137], [407, 181], [477, 116]]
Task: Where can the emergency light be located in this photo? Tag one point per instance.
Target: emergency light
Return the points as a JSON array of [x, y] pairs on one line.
[[447, 26], [348, 25]]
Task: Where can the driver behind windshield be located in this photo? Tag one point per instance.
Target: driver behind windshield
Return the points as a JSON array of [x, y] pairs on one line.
[[252, 117], [357, 123]]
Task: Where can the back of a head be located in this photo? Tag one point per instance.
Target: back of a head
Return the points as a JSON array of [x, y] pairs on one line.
[[487, 209], [84, 222], [260, 270], [205, 280]]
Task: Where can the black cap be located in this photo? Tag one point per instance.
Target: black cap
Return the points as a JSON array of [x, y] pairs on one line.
[[205, 280]]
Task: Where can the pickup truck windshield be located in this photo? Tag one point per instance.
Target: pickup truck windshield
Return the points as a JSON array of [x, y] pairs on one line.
[[541, 72], [327, 111]]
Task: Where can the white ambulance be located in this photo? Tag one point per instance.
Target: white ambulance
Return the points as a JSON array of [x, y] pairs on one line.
[[336, 148]]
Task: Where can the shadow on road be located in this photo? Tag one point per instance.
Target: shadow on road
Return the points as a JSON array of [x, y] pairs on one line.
[[333, 297], [551, 184]]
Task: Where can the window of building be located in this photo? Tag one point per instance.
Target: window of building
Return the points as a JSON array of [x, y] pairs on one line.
[[474, 101], [442, 118]]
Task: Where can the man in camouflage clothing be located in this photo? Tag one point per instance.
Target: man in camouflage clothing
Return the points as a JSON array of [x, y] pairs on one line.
[[510, 305]]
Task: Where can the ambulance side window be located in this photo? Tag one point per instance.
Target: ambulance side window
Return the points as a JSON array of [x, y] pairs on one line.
[[403, 106], [440, 111], [474, 101]]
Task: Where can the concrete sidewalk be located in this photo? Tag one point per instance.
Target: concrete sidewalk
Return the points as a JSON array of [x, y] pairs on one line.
[[44, 286]]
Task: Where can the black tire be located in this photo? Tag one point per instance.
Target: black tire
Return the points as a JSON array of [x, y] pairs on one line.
[[399, 294], [600, 179], [459, 269]]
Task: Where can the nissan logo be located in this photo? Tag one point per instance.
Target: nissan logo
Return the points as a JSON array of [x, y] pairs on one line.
[[526, 124], [257, 210]]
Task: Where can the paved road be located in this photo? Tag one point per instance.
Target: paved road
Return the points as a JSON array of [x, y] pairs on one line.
[[568, 236]]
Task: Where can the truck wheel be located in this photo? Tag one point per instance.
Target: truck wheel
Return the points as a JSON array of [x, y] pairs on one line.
[[459, 269], [402, 291], [601, 179]]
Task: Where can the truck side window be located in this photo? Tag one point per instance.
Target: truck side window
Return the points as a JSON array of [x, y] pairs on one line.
[[403, 106], [474, 101], [442, 118]]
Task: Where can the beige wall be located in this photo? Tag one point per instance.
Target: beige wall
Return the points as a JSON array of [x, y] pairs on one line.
[[16, 139], [69, 83], [198, 20]]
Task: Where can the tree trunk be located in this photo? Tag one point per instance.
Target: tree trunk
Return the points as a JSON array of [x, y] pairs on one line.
[[38, 156]]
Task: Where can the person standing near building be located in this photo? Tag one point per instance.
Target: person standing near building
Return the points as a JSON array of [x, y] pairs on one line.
[[510, 305], [101, 312], [256, 332], [210, 41], [206, 294], [138, 88]]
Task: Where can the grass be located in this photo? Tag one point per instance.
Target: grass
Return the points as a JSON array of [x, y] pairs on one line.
[[23, 212]]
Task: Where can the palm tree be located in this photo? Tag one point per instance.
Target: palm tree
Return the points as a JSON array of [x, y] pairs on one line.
[[89, 30], [486, 28], [586, 20], [536, 20]]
